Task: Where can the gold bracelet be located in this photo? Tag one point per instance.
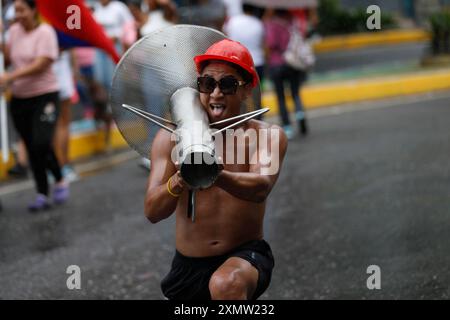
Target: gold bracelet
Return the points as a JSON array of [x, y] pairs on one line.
[[170, 191]]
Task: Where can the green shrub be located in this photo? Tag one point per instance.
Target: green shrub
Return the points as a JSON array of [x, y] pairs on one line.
[[440, 29]]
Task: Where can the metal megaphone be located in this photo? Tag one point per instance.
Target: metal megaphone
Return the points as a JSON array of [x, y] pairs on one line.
[[154, 86], [195, 144]]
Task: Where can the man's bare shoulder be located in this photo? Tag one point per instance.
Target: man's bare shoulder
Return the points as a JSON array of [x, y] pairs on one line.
[[258, 125], [163, 136], [162, 144]]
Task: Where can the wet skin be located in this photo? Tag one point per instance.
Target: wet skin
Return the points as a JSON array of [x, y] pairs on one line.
[[230, 212]]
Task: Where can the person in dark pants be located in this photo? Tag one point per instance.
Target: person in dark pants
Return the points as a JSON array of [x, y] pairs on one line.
[[277, 40], [279, 75], [31, 48]]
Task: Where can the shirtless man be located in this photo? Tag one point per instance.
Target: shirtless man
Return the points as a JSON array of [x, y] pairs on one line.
[[222, 255]]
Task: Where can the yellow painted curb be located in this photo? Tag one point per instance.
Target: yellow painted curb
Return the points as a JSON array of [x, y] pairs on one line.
[[4, 167], [81, 146], [90, 143], [358, 90], [370, 39]]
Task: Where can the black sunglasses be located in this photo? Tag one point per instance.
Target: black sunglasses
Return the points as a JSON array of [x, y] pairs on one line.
[[227, 85]]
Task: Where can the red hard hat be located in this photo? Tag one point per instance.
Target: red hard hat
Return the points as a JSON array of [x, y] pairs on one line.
[[231, 51]]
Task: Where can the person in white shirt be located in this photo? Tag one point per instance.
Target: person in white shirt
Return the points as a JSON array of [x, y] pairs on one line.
[[63, 68], [112, 15], [248, 29], [234, 7], [161, 14]]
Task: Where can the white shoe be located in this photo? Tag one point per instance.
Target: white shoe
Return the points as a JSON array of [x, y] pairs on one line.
[[69, 174], [145, 163]]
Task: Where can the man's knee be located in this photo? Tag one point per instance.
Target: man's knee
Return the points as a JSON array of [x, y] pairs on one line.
[[228, 286]]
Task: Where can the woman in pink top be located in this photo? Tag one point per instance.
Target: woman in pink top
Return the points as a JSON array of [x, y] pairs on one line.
[[31, 49]]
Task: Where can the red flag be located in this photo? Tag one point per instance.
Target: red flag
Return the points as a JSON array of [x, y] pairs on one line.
[[73, 18]]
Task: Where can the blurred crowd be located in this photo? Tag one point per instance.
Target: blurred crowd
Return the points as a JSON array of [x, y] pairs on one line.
[[77, 80]]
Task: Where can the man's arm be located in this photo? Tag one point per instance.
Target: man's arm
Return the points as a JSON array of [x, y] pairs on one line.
[[159, 203], [254, 185]]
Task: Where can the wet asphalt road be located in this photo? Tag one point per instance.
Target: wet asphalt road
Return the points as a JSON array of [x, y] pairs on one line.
[[365, 188], [370, 56]]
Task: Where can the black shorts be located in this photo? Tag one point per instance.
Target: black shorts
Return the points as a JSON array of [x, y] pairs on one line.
[[189, 277]]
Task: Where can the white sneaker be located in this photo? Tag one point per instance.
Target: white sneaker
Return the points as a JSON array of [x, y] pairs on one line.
[[288, 131], [69, 174], [145, 163]]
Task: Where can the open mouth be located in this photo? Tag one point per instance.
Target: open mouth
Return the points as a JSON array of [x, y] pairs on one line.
[[217, 109]]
